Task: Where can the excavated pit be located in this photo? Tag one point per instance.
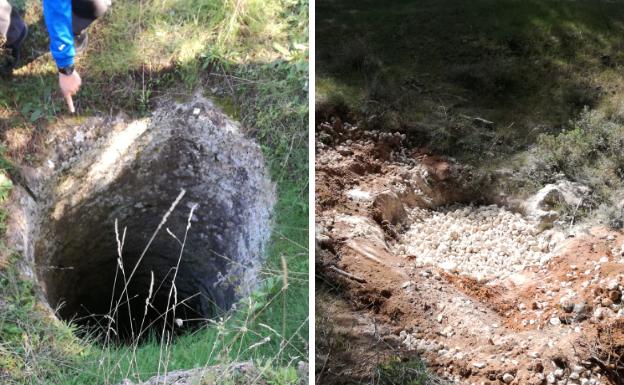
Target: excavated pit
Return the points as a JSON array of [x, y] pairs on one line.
[[133, 174], [460, 233], [438, 219], [483, 286]]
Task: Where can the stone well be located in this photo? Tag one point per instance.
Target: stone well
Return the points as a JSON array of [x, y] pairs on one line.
[[131, 172]]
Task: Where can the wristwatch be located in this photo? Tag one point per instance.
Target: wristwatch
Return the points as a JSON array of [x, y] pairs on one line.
[[67, 70]]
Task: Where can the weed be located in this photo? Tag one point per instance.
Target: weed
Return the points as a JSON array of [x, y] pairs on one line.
[[411, 372]]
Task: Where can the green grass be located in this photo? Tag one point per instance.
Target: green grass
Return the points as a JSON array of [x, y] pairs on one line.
[[410, 372], [251, 57], [426, 68]]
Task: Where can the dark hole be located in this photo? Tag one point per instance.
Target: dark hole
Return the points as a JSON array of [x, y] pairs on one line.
[[87, 285], [227, 202]]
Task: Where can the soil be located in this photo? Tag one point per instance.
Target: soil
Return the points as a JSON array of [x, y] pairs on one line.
[[545, 324]]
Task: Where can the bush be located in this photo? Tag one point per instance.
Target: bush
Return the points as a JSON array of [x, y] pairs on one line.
[[590, 152]]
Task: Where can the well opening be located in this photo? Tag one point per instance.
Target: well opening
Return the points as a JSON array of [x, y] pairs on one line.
[[88, 283], [133, 178]]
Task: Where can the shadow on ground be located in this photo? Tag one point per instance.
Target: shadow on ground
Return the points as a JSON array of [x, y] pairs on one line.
[[431, 67]]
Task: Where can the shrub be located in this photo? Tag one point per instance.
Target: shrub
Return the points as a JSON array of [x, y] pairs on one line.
[[590, 152]]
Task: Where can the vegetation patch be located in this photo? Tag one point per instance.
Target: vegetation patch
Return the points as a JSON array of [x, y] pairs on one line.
[[410, 372], [526, 67], [588, 151], [533, 89]]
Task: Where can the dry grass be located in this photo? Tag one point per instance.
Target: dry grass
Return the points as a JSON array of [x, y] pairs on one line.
[[605, 349]]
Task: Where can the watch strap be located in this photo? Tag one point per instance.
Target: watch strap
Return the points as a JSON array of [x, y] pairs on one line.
[[67, 70]]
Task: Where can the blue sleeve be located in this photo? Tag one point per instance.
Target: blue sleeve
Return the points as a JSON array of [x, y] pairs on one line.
[[58, 19]]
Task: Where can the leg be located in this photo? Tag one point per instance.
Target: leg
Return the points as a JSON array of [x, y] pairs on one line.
[[5, 18], [86, 12], [12, 27], [13, 31]]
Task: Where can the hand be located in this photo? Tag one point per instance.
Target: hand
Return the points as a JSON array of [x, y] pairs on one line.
[[70, 84]]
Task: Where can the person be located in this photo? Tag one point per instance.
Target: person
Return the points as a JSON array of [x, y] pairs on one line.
[[67, 22]]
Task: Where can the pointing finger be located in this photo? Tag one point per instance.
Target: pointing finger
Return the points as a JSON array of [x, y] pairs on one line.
[[70, 103]]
